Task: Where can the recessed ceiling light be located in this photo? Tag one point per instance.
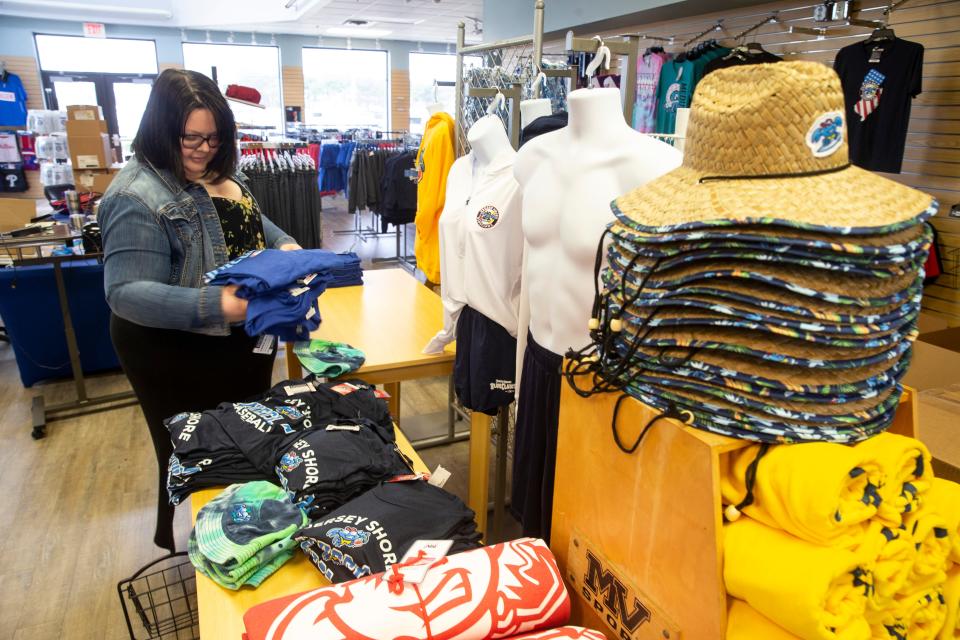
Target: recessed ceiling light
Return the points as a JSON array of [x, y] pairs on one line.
[[358, 32]]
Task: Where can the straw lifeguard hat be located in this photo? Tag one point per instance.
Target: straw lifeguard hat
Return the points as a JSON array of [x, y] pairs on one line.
[[767, 145]]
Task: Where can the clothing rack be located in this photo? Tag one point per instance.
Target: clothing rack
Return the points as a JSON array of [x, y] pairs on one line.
[[772, 18], [629, 47], [716, 27], [511, 93], [534, 40]]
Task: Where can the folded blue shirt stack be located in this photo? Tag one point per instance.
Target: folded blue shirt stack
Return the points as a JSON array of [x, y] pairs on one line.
[[282, 287]]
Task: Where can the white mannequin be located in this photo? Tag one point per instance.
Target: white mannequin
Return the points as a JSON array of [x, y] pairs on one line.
[[569, 177], [435, 108], [490, 151], [530, 110]]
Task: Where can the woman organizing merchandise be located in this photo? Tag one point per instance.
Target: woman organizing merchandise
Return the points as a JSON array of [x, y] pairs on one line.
[[176, 211]]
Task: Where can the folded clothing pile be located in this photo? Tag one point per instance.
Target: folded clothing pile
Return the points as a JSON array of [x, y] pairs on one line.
[[374, 530], [282, 287], [244, 534], [325, 467], [862, 540], [766, 289], [508, 590], [243, 441]]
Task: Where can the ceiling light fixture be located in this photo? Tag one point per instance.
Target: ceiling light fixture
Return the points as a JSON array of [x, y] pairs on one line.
[[358, 32]]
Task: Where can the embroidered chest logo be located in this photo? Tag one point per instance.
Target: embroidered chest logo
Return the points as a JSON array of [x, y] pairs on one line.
[[870, 91], [825, 135], [488, 217], [348, 537]]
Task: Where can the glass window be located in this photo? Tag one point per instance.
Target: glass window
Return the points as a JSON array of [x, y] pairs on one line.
[[345, 88], [96, 55], [425, 69], [248, 65]]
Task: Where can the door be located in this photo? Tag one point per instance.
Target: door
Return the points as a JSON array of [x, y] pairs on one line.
[[122, 97]]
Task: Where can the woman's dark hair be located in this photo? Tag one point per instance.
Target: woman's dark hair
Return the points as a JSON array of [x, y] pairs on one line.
[[176, 93]]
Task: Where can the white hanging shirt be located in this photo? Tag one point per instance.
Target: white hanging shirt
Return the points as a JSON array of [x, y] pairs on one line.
[[481, 244]]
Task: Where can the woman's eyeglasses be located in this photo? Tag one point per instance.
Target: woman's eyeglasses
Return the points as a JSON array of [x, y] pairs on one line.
[[193, 140]]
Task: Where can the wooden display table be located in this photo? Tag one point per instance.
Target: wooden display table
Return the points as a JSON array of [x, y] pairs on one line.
[[221, 610], [638, 537], [391, 318]]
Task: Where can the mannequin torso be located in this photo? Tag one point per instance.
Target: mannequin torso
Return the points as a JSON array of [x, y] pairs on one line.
[[481, 263], [568, 178]]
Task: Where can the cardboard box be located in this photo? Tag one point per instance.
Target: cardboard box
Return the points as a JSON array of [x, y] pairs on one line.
[[85, 128], [932, 366], [84, 112], [90, 152], [16, 212], [940, 423], [96, 181], [928, 323]]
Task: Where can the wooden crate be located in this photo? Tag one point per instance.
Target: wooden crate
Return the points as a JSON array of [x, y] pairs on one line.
[[639, 537]]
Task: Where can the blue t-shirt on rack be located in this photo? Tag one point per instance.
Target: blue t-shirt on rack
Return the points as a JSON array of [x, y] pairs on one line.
[[13, 101]]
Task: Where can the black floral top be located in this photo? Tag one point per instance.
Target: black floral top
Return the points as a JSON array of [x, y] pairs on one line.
[[241, 223]]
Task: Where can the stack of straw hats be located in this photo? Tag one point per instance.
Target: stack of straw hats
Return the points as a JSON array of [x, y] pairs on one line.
[[766, 289]]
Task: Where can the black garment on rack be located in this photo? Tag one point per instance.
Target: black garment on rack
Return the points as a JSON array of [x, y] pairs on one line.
[[398, 196], [735, 59], [290, 198], [880, 79], [366, 173], [542, 125]]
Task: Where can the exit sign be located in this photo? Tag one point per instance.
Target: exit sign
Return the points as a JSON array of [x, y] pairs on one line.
[[94, 30]]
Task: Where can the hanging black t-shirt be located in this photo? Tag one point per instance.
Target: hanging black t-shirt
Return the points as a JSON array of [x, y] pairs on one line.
[[878, 97]]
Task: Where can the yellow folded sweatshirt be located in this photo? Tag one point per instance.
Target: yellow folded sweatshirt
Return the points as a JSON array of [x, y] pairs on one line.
[[944, 498], [951, 593], [820, 492], [891, 553], [434, 159], [932, 541], [745, 623], [918, 616], [812, 591], [907, 473]]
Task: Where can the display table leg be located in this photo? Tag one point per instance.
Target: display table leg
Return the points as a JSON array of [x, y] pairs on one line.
[[477, 496], [393, 402], [294, 370]]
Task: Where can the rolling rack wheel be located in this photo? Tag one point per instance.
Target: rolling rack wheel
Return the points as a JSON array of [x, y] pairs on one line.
[[160, 600]]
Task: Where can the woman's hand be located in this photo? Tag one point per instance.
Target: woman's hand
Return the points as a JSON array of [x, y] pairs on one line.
[[234, 308], [290, 246]]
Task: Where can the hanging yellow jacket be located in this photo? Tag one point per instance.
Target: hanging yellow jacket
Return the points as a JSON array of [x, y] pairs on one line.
[[434, 159]]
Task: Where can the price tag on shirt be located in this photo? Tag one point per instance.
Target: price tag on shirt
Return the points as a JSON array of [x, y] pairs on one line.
[[439, 476], [265, 345], [431, 551], [875, 54]]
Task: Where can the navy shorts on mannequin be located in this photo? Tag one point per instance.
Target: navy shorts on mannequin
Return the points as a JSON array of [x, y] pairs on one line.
[[485, 364]]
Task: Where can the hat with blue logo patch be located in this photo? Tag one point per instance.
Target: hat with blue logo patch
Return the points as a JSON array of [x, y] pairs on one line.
[[243, 519], [328, 359], [767, 145]]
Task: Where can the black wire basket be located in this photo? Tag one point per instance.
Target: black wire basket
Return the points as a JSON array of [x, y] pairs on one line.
[[160, 600]]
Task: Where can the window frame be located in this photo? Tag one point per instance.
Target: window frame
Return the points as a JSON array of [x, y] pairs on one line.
[[67, 72]]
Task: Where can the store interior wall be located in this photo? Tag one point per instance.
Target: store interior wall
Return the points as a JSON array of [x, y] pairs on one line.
[[932, 155], [17, 49]]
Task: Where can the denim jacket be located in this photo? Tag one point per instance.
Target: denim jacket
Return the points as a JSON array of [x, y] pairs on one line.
[[160, 236]]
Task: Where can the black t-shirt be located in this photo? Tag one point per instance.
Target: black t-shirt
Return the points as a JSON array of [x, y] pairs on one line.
[[878, 97], [737, 60]]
